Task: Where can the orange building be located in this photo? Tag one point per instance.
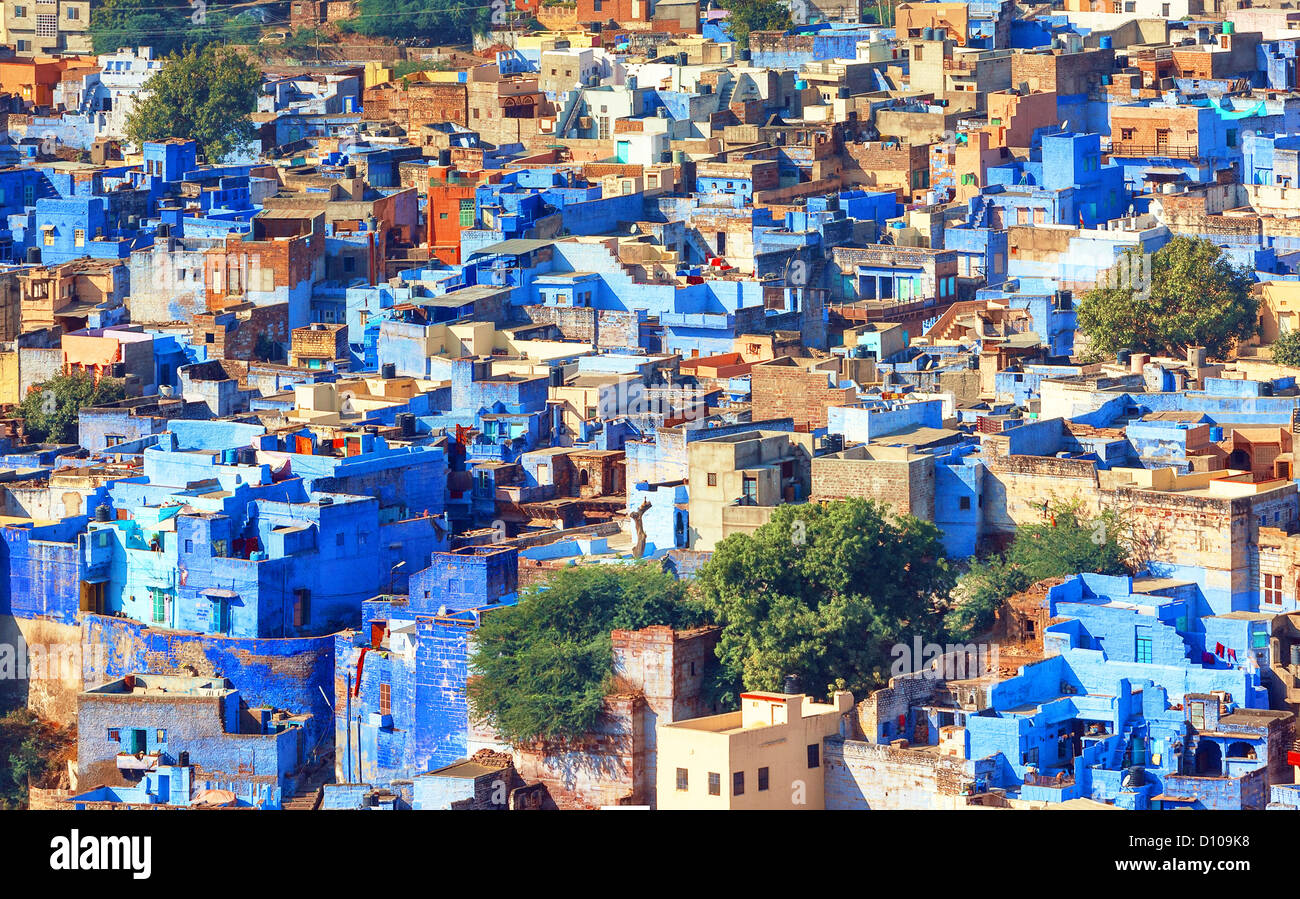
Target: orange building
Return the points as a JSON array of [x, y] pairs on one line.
[[450, 211], [32, 78]]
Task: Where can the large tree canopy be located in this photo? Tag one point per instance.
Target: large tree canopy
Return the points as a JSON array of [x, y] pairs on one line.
[[1186, 294], [744, 16], [541, 669], [206, 95], [50, 410], [823, 592], [450, 21], [168, 26]]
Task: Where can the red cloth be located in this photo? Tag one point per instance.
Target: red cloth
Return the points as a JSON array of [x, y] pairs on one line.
[[1218, 649]]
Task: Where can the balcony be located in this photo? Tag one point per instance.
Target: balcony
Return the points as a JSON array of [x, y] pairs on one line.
[[1134, 149]]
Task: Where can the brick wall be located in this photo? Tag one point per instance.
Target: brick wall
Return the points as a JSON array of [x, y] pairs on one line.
[[781, 391], [421, 103], [908, 486], [868, 776]]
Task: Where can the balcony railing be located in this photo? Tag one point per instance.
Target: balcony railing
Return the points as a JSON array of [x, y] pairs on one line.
[[1170, 151]]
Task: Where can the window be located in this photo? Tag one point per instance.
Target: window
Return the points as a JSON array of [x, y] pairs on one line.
[[79, 237], [385, 699], [159, 605], [762, 779], [715, 783], [338, 539], [467, 213], [114, 735], [918, 53], [47, 25], [713, 479], [220, 615], [683, 780], [49, 237], [1143, 654], [814, 755], [738, 783], [1272, 589], [964, 502], [1197, 715], [74, 13], [20, 12], [160, 735]]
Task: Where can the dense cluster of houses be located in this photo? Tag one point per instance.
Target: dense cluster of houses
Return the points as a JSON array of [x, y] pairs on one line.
[[613, 292]]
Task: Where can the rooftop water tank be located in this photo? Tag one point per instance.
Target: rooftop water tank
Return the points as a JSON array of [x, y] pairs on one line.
[[1106, 42]]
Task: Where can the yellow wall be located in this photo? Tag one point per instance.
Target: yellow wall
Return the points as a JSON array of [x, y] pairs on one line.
[[1279, 309], [772, 731], [9, 378]]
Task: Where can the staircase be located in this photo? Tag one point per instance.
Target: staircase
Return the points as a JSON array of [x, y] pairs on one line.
[[307, 786], [725, 95]]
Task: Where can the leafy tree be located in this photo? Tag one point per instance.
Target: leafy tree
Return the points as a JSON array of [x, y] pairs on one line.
[[30, 747], [450, 21], [542, 668], [1186, 294], [744, 16], [206, 95], [1286, 349], [50, 410], [823, 592], [169, 26], [1065, 543]]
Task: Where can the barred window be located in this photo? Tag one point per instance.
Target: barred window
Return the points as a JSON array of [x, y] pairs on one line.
[[47, 25]]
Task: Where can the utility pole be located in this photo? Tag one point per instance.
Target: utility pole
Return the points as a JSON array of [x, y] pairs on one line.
[[347, 721]]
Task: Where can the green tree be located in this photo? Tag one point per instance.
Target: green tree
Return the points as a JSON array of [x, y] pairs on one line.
[[1186, 294], [30, 748], [206, 95], [744, 16], [450, 21], [1065, 543], [168, 26], [1286, 349], [542, 668], [50, 410], [823, 592]]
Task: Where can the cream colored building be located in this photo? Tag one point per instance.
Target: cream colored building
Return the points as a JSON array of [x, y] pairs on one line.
[[768, 755], [35, 27], [738, 479], [1279, 309]]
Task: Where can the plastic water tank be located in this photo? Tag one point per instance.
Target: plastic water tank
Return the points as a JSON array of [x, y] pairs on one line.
[[1106, 42]]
